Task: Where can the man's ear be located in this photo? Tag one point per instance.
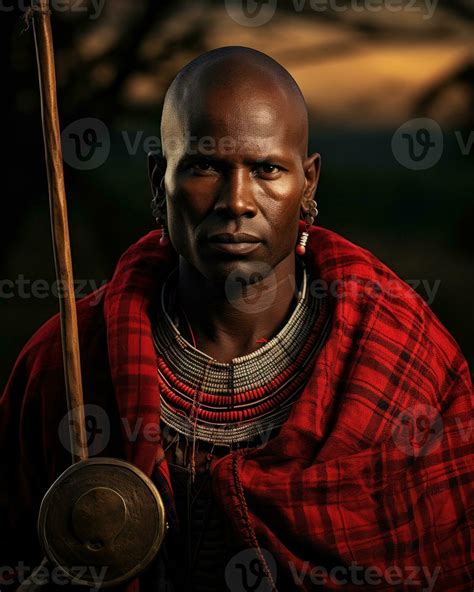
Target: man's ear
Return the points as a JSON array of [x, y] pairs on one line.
[[312, 170], [156, 171]]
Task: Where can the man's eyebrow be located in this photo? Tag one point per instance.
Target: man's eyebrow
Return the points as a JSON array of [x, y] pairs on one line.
[[187, 158], [268, 158]]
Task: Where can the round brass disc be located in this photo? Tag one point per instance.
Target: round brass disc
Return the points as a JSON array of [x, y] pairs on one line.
[[102, 522]]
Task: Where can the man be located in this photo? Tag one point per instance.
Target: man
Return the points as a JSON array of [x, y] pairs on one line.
[[314, 414]]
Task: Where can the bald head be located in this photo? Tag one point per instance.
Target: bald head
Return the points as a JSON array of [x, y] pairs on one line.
[[249, 84]]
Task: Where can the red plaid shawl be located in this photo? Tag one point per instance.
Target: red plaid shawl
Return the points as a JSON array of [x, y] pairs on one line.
[[369, 482]]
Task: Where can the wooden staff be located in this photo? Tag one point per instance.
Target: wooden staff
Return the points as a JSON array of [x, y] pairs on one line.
[[59, 227], [61, 245], [127, 486]]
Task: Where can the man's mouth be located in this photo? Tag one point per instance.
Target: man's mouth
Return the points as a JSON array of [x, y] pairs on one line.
[[234, 237], [238, 243]]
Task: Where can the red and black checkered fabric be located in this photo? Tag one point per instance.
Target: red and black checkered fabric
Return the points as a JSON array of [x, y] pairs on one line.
[[369, 483]]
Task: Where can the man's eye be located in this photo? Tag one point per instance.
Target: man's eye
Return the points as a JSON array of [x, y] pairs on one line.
[[202, 167], [267, 169]]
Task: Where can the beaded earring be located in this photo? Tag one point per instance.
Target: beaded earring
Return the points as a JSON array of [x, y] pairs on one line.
[[309, 217], [158, 205]]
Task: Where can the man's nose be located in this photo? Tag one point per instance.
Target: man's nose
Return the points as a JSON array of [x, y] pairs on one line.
[[236, 195]]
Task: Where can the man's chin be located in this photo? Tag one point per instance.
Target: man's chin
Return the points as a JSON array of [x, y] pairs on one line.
[[241, 271]]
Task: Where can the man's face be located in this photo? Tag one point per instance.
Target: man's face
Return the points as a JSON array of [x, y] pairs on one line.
[[236, 167]]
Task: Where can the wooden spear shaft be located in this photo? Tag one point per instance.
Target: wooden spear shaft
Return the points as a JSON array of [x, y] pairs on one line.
[[60, 229]]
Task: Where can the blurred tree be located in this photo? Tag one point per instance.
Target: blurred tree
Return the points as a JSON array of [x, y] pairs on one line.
[[81, 93]]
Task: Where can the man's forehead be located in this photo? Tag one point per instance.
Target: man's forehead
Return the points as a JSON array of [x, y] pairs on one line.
[[233, 116], [247, 140], [229, 122]]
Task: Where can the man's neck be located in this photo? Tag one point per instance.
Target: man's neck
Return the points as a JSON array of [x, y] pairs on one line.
[[226, 325]]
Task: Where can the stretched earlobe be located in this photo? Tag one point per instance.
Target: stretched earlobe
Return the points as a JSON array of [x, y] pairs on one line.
[[310, 211]]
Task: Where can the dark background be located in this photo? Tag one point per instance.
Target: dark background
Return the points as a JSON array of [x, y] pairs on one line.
[[364, 73]]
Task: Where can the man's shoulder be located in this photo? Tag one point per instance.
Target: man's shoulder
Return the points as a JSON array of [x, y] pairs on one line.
[[353, 273], [388, 317], [339, 258]]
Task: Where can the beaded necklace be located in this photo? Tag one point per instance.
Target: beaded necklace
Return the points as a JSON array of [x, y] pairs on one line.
[[229, 404]]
